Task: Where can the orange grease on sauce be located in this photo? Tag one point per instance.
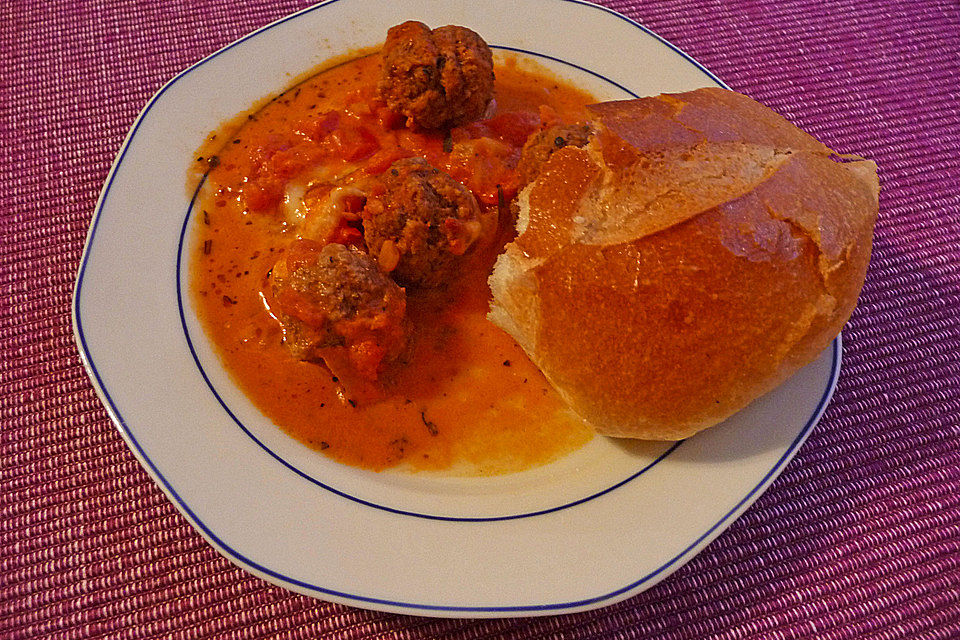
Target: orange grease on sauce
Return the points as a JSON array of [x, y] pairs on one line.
[[469, 401]]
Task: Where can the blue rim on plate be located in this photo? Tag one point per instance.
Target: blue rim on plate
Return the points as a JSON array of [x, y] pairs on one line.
[[317, 590]]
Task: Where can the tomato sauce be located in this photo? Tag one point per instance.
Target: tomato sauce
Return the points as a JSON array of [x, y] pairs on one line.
[[468, 401]]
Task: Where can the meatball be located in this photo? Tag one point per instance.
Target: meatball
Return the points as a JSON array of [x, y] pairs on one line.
[[334, 304], [540, 146], [418, 222], [437, 79]]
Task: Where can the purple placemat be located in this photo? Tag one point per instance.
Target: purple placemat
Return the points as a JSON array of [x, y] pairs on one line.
[[860, 536]]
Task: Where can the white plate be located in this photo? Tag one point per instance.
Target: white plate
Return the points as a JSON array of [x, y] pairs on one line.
[[596, 527]]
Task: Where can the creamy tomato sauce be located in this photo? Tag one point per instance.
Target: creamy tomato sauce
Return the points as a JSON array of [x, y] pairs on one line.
[[466, 399]]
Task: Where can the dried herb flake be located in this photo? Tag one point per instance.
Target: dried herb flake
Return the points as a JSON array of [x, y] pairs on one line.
[[431, 426]]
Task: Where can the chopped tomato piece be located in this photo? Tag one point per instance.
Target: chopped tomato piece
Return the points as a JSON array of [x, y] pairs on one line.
[[514, 127], [427, 145], [389, 119], [348, 235], [485, 166], [353, 204], [354, 142], [290, 162], [381, 160], [320, 128], [261, 195]]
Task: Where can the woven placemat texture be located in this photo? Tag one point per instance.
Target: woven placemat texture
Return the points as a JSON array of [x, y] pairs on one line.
[[860, 536]]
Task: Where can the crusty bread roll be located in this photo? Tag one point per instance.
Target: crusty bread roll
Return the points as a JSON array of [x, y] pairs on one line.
[[696, 253]]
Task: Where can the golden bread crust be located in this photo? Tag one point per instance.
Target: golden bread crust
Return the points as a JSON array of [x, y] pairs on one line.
[[692, 257]]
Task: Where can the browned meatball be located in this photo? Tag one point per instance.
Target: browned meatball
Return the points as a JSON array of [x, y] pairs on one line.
[[543, 144], [335, 304], [438, 79], [418, 222]]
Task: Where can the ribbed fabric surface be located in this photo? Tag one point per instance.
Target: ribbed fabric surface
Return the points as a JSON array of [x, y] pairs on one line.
[[860, 536]]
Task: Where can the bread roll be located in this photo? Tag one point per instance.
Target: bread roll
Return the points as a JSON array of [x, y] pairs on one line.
[[691, 257]]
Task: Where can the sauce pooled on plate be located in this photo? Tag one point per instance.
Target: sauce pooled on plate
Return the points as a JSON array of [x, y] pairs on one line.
[[399, 367]]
